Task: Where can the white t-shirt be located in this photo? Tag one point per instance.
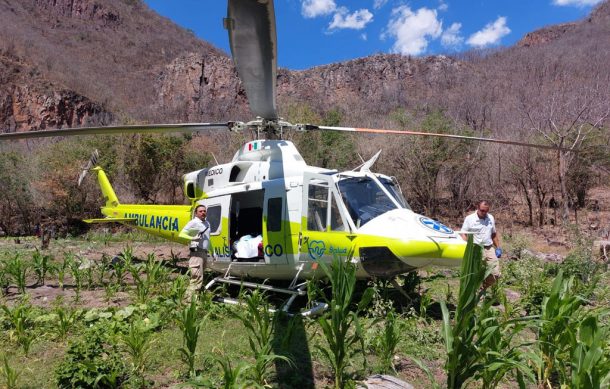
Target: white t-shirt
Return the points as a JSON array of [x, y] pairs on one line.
[[482, 228], [196, 227]]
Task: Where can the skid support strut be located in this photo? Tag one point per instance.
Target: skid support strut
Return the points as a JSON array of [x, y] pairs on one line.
[[294, 290]]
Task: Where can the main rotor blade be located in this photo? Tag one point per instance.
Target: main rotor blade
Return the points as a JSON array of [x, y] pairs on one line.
[[431, 134], [116, 130], [251, 26]]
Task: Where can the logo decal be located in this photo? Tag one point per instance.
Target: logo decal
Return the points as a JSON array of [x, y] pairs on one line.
[[316, 249], [434, 225]]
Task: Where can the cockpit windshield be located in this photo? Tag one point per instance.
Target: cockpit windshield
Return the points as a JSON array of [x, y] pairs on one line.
[[364, 199], [392, 187]]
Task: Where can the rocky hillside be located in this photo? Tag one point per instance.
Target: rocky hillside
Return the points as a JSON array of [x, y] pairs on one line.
[[133, 65], [29, 101], [112, 52]]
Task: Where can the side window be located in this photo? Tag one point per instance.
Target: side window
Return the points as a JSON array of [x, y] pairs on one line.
[[317, 207], [190, 190], [213, 218], [336, 221], [274, 214]]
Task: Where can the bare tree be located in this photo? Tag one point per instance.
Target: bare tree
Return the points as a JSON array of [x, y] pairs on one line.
[[566, 117]]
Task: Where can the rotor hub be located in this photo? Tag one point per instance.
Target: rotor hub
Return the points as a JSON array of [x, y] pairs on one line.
[[272, 129]]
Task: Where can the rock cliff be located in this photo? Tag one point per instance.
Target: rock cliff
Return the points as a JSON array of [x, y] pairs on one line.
[[28, 102]]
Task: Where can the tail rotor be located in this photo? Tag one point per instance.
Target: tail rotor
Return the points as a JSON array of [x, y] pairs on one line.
[[92, 162]]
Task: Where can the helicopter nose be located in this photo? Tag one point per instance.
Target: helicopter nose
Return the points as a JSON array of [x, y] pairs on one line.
[[400, 241]]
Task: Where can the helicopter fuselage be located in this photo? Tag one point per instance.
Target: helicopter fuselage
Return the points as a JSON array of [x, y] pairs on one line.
[[274, 217]]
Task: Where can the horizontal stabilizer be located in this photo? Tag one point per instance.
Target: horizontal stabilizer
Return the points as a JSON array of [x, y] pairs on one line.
[[111, 220]]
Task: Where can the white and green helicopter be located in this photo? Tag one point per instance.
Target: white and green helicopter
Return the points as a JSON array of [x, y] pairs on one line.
[[300, 214]]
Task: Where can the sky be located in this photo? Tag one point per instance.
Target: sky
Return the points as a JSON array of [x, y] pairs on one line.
[[319, 32]]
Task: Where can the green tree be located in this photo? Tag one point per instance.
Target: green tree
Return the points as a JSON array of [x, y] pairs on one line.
[[157, 165], [328, 149], [60, 164], [16, 199]]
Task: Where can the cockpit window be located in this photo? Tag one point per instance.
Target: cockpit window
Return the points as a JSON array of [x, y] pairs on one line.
[[392, 187], [364, 199]]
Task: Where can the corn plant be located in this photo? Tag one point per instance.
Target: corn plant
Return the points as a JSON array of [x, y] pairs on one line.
[[190, 326], [234, 376], [9, 374], [4, 280], [156, 273], [110, 290], [127, 255], [121, 264], [21, 320], [88, 269], [141, 283], [478, 344], [424, 303], [461, 362], [77, 276], [65, 320], [173, 258], [61, 269], [178, 288], [340, 324], [42, 266], [557, 331], [137, 342], [590, 363], [18, 270], [102, 268], [386, 342], [498, 350], [260, 326]]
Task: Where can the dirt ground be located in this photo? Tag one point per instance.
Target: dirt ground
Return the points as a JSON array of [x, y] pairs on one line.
[[45, 295]]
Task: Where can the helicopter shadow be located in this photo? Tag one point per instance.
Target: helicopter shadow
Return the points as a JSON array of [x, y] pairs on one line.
[[290, 340]]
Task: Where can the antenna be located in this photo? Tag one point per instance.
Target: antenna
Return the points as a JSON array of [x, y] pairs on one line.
[[215, 160]]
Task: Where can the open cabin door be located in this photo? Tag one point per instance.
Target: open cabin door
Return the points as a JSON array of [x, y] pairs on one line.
[[218, 217], [275, 225], [325, 232]]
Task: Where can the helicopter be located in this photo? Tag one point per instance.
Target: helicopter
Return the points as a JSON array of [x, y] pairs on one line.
[[296, 215]]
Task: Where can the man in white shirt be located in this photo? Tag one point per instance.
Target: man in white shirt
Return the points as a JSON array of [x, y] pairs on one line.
[[483, 226], [198, 231]]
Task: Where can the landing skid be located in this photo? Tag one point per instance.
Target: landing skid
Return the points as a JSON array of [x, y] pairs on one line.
[[294, 291]]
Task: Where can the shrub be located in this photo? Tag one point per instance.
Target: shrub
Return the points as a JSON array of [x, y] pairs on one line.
[[516, 244], [91, 360]]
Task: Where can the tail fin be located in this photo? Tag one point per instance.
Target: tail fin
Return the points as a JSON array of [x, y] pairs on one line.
[[109, 195]]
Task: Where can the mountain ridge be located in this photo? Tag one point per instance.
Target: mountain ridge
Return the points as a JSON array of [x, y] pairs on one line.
[[147, 69]]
